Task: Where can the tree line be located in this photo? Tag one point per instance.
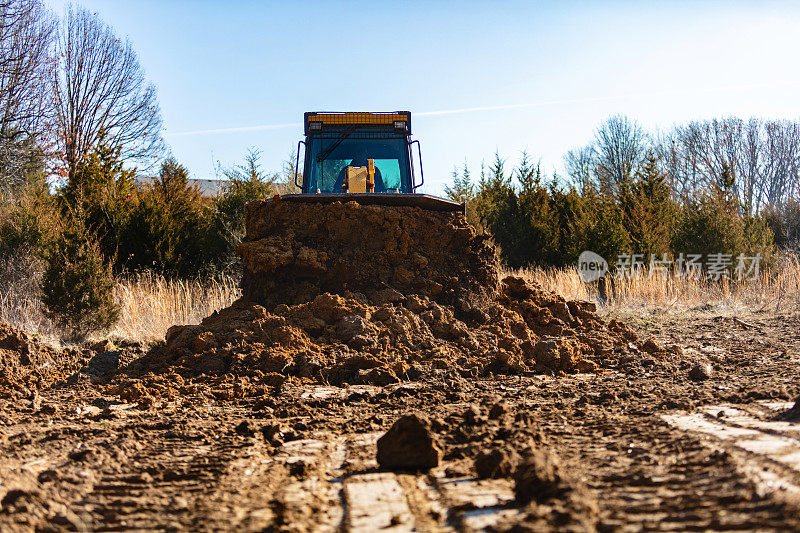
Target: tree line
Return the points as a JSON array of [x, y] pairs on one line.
[[80, 125], [724, 186]]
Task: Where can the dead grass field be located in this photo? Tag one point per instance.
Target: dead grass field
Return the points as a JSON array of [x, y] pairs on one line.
[[150, 304], [776, 291]]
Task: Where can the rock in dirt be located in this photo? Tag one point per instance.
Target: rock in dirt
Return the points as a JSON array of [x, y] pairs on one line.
[[496, 463], [409, 445], [701, 372]]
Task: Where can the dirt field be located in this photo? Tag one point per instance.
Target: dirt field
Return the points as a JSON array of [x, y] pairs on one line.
[[641, 447], [426, 408]]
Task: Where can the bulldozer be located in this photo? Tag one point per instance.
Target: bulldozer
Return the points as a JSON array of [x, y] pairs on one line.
[[359, 225], [363, 157]]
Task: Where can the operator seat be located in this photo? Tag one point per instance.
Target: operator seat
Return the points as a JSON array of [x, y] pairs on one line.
[[361, 162]]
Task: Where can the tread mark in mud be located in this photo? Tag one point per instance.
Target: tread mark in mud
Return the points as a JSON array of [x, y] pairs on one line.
[[771, 448]]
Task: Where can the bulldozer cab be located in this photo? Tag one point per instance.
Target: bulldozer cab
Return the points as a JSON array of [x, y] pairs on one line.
[[358, 153], [367, 158]]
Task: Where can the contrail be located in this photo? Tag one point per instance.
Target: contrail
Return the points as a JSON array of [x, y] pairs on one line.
[[240, 129], [514, 106], [543, 103]]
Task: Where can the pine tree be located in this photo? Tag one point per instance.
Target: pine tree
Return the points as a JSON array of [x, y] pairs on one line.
[[100, 191], [648, 209], [77, 285], [462, 188]]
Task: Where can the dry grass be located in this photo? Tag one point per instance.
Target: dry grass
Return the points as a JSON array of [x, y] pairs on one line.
[[20, 302], [150, 304], [777, 291]]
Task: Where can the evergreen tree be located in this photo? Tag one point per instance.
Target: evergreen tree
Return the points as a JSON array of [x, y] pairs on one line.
[[77, 285], [245, 183], [648, 209], [100, 191], [462, 188], [167, 226]]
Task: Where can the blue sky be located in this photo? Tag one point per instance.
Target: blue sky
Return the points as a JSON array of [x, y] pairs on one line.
[[477, 76]]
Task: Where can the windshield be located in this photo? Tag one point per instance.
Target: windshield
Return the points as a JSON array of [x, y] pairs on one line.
[[327, 158]]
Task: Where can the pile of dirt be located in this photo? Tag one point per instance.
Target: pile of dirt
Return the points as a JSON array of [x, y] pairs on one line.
[[294, 252], [347, 339], [28, 365], [344, 294]]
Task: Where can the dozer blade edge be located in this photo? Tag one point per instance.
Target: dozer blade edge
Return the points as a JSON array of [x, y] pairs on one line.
[[423, 201]]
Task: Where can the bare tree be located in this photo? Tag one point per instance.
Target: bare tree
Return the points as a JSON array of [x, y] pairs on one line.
[[763, 155], [579, 165], [26, 31], [100, 91], [620, 146]]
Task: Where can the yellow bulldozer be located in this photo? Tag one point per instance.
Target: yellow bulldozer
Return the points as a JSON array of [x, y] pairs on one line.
[[363, 157], [359, 226]]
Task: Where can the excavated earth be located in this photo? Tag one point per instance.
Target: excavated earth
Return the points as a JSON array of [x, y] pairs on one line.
[[379, 375], [365, 295]]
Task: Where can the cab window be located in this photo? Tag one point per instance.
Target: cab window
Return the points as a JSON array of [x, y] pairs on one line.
[[328, 157]]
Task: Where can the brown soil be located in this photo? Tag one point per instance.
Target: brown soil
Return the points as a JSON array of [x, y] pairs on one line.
[[303, 456], [293, 252], [529, 413], [374, 324], [28, 365]]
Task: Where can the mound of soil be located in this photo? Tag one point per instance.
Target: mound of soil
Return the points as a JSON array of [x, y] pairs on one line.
[[347, 294], [28, 365], [348, 339], [294, 252]]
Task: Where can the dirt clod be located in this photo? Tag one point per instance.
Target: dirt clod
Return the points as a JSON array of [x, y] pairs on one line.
[[409, 445], [245, 428], [701, 372], [539, 478], [496, 463], [498, 410], [28, 365]]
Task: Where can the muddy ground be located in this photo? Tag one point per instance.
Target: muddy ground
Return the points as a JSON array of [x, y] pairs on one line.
[[380, 375], [693, 440]]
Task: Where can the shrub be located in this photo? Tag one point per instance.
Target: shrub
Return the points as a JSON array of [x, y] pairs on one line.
[[710, 225], [791, 220], [31, 222], [600, 228], [166, 226], [246, 183], [759, 239], [77, 285], [774, 220]]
